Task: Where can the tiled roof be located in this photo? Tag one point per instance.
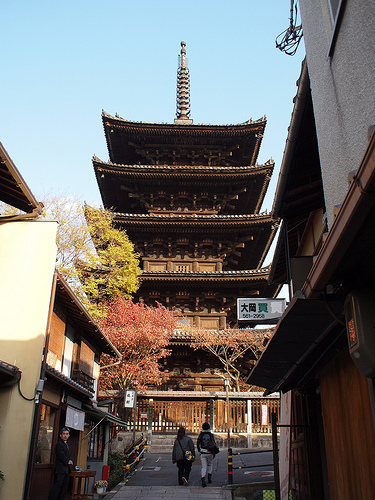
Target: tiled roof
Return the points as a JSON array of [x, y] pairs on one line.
[[9, 374], [194, 218], [68, 381], [243, 272], [131, 122], [179, 169]]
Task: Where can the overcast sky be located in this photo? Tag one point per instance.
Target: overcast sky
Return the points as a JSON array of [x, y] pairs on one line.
[[62, 62]]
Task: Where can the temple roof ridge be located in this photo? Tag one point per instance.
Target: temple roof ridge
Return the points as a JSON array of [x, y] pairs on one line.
[[166, 166], [261, 270], [196, 217], [250, 121]]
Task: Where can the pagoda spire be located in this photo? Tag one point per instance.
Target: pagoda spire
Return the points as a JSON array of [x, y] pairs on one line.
[[183, 89]]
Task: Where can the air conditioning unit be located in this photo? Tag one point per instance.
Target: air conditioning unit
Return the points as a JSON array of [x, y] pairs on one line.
[[360, 328]]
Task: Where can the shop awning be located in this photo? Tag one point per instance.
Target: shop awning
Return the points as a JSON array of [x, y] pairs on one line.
[[304, 324], [98, 414]]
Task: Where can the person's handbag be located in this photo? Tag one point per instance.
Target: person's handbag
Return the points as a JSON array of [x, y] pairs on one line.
[[187, 454], [214, 450]]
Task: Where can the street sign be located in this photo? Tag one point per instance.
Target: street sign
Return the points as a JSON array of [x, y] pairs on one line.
[[129, 399], [260, 310]]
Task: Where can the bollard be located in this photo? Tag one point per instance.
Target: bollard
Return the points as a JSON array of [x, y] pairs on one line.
[[230, 466]]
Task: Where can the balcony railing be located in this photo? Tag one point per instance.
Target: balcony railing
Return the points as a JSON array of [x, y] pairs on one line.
[[83, 379]]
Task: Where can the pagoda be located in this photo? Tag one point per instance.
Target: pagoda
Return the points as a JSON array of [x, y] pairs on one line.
[[189, 197]]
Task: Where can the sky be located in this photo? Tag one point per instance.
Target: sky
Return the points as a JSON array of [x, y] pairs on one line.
[[63, 62]]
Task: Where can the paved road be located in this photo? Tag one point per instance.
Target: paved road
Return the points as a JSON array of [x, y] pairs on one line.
[[156, 478]]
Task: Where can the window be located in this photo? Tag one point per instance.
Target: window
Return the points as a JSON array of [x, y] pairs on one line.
[[183, 268], [336, 9], [333, 9], [95, 449], [44, 446]]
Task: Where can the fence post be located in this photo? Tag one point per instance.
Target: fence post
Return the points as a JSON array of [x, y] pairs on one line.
[[275, 456], [249, 425], [230, 466]]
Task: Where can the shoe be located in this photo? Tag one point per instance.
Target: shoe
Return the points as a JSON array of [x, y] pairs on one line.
[[184, 480], [209, 478], [203, 482]]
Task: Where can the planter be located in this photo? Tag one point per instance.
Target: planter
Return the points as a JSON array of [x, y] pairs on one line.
[[100, 489]]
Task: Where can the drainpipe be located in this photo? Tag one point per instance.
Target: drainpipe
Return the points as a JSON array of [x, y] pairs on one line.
[[287, 261]]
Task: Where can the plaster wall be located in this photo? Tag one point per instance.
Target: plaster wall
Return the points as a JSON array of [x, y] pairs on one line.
[[27, 262], [342, 89]]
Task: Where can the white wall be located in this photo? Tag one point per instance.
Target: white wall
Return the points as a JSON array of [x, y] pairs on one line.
[[27, 263], [342, 89]]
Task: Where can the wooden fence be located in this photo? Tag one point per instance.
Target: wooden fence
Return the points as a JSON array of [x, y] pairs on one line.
[[245, 415]]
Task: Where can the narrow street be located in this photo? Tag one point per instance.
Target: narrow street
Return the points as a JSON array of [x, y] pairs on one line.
[[156, 477]]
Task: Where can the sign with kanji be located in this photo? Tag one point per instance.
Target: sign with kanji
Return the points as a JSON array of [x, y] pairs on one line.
[[264, 413], [260, 310], [129, 399]]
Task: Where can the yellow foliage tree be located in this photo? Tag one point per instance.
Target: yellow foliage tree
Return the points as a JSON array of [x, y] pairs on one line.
[[114, 268], [97, 260]]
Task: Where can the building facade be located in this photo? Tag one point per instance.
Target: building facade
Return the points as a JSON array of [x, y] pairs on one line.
[[321, 354], [49, 353]]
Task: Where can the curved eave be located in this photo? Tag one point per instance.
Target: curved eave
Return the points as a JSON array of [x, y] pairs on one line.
[[13, 189], [123, 136], [196, 277], [198, 221], [145, 171], [117, 182], [193, 129]]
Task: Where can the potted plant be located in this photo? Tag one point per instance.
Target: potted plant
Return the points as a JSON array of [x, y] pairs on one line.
[[101, 485]]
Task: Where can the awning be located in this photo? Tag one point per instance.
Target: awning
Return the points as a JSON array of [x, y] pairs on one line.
[[13, 189], [9, 374], [97, 414], [304, 324]]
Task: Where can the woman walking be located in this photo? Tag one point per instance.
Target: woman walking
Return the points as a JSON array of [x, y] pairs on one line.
[[183, 444]]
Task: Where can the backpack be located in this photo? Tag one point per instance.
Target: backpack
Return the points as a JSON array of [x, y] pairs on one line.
[[207, 441]]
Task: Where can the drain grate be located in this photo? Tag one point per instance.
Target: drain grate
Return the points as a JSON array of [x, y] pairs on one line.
[[149, 469]]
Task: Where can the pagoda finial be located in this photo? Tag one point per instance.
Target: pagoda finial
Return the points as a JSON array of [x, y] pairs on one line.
[[183, 89]]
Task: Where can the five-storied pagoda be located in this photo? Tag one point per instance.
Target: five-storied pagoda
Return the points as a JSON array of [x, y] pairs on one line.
[[189, 198]]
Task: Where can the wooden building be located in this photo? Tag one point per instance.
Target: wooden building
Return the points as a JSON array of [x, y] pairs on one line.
[[321, 356], [189, 197]]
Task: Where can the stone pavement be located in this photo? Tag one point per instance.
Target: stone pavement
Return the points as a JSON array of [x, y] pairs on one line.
[[171, 493], [156, 479]]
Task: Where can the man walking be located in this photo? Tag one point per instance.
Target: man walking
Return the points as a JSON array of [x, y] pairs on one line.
[[207, 447], [62, 466]]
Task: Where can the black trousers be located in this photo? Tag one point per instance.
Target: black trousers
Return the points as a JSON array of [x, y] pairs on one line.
[[184, 468], [60, 487]]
